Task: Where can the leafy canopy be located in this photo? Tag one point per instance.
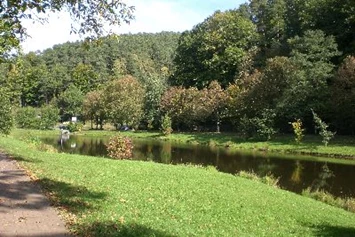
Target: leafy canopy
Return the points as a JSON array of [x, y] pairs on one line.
[[89, 17]]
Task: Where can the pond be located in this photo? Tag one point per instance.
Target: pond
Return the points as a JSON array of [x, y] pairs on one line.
[[295, 173]]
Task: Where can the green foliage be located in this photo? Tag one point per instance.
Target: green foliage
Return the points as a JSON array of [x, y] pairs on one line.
[[31, 118], [90, 22], [49, 117], [6, 119], [85, 78], [166, 125], [298, 130], [191, 106], [322, 127], [27, 117], [155, 87], [261, 127], [70, 102], [342, 97], [94, 108], [124, 101], [215, 49], [75, 126], [120, 147]]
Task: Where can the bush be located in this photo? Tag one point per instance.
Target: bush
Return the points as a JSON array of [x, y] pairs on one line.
[[260, 127], [298, 130], [120, 147], [27, 117], [31, 118], [49, 117], [75, 127], [166, 125]]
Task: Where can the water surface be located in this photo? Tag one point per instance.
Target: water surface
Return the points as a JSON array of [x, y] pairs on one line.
[[295, 172]]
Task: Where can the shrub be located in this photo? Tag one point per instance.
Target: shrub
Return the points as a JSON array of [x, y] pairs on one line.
[[166, 125], [27, 117], [120, 147], [49, 117], [31, 118], [322, 127], [75, 127], [260, 127], [298, 130]]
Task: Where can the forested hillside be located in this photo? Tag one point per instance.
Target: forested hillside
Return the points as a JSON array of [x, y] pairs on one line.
[[255, 68]]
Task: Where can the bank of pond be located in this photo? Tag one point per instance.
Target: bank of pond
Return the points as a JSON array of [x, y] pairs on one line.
[[106, 197], [294, 172]]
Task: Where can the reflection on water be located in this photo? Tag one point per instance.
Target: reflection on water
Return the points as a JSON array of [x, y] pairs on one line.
[[295, 174]]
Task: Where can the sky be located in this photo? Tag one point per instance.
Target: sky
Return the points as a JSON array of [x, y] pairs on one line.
[[150, 16]]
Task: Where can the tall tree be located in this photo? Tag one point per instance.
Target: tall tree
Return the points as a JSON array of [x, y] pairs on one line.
[[70, 102], [124, 99], [85, 78], [343, 97], [94, 108], [214, 50]]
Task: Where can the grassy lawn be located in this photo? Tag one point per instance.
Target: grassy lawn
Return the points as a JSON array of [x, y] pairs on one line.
[[104, 197]]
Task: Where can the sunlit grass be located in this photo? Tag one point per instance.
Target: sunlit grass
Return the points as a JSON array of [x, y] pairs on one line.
[[104, 197]]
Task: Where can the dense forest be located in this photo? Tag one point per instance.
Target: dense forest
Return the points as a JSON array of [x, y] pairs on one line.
[[253, 69]]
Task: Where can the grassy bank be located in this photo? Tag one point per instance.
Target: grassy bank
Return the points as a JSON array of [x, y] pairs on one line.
[[339, 147], [103, 197]]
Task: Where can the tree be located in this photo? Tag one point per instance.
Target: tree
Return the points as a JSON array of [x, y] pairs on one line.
[[90, 17], [94, 108], [190, 107], [214, 49], [270, 20], [308, 84], [70, 102], [85, 78], [6, 119], [49, 116], [333, 17], [343, 96], [216, 102], [124, 99]]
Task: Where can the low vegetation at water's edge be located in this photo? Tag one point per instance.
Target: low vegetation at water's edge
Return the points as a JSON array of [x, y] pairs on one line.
[[104, 197], [341, 146]]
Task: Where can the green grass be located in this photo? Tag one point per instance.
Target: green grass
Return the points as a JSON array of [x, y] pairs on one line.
[[104, 197]]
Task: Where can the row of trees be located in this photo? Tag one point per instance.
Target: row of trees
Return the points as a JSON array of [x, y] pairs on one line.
[[283, 57], [255, 68]]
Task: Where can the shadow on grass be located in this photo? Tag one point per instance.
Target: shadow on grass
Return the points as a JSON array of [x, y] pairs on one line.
[[328, 230], [24, 159], [72, 198], [112, 229]]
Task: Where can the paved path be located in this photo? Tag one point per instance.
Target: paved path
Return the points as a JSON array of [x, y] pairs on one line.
[[24, 210]]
